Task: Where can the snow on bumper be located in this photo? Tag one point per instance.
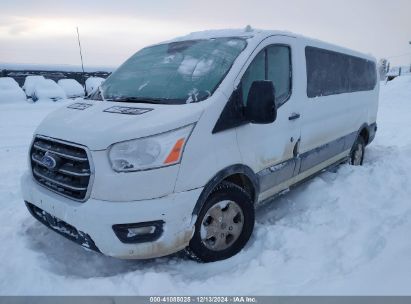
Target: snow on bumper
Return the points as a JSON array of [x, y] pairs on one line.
[[96, 218]]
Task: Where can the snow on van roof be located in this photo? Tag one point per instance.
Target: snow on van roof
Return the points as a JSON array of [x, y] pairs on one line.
[[247, 32], [259, 34]]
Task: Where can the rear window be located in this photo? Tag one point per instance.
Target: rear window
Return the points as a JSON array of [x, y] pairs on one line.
[[330, 73]]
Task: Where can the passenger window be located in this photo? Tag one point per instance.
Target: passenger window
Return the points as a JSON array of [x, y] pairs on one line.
[[272, 63], [279, 71], [330, 73], [255, 71]]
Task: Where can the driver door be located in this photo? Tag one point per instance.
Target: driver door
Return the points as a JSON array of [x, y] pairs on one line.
[[269, 148]]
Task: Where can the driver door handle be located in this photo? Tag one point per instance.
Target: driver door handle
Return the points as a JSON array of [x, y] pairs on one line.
[[294, 116]]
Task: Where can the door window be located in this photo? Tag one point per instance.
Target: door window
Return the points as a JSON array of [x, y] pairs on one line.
[[272, 63], [255, 71], [279, 71]]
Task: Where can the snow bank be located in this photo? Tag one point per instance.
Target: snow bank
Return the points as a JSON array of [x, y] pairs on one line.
[[344, 232], [48, 90], [71, 87], [10, 91], [92, 83], [30, 83], [398, 83]]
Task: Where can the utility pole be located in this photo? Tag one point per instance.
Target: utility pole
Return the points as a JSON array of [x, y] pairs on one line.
[[410, 63]]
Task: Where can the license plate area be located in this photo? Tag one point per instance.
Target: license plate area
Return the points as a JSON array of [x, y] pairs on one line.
[[62, 228]]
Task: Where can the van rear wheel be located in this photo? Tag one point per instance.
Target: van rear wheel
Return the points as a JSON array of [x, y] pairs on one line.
[[357, 152], [224, 224]]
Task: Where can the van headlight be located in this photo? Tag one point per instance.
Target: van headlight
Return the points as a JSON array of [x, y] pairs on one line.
[[150, 152]]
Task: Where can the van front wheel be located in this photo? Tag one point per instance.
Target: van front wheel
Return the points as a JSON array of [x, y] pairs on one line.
[[357, 152], [224, 224]]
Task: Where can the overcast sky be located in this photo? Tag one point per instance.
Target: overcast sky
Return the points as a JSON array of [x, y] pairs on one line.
[[43, 31]]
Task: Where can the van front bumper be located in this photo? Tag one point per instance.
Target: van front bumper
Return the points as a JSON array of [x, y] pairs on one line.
[[90, 224]]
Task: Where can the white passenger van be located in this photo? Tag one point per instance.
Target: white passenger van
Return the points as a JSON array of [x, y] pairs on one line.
[[183, 141]]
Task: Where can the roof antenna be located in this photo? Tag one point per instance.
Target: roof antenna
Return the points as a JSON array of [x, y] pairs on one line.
[[82, 65]]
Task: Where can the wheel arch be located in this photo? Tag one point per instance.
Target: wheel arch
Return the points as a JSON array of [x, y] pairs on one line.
[[364, 133], [238, 174]]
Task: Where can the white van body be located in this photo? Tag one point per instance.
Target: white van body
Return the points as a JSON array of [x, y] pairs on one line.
[[308, 135]]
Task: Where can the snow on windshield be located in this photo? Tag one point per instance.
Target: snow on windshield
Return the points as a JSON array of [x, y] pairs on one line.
[[195, 67], [177, 72]]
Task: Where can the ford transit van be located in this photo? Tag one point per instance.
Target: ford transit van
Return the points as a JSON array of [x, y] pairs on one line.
[[177, 148]]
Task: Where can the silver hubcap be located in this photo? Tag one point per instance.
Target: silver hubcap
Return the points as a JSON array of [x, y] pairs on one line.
[[357, 157], [222, 225]]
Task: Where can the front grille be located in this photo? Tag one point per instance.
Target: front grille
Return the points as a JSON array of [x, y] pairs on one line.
[[61, 167]]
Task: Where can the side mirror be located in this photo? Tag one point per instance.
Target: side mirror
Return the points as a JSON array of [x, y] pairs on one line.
[[261, 108]]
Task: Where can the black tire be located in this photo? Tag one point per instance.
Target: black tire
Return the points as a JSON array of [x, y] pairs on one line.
[[226, 191], [357, 152]]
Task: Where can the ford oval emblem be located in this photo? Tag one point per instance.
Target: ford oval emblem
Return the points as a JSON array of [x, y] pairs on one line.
[[49, 161]]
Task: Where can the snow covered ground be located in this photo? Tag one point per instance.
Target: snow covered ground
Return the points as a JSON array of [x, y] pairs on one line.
[[344, 232]]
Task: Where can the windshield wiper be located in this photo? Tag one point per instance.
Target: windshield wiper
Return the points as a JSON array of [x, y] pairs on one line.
[[101, 93], [96, 95], [143, 100]]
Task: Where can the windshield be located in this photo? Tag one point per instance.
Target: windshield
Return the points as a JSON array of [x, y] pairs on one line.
[[173, 73]]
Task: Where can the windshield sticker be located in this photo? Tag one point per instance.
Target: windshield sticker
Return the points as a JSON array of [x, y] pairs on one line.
[[127, 110], [79, 106]]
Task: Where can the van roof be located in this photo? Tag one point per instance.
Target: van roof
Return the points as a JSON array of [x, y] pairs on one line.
[[247, 32], [257, 35]]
